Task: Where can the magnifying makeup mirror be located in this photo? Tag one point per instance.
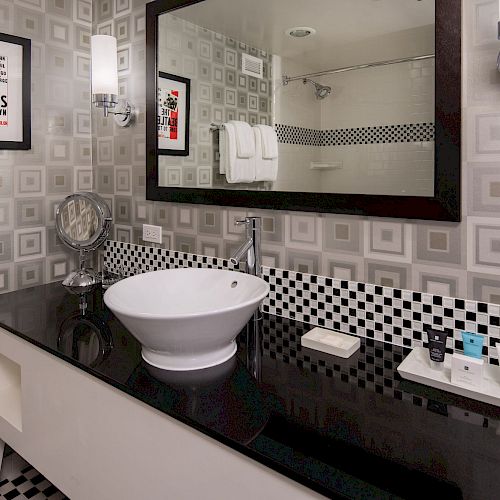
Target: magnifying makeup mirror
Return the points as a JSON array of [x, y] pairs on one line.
[[83, 222]]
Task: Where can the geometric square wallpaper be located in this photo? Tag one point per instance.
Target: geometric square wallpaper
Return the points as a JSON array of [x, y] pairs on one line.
[[75, 148], [219, 91], [449, 259], [385, 278], [33, 182]]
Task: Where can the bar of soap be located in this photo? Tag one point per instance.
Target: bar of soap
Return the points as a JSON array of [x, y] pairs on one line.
[[336, 343]]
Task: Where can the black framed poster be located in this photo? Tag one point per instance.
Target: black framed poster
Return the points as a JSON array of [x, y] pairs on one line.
[[15, 92], [173, 114]]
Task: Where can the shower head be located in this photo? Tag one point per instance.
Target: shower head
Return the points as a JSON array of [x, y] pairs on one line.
[[320, 91]]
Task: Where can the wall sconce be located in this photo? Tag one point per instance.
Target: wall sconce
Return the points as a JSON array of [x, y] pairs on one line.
[[105, 80]]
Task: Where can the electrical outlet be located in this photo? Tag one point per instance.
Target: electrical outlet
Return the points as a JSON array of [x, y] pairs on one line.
[[151, 233]]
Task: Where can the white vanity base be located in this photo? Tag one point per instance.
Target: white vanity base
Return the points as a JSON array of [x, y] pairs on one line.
[[95, 442]]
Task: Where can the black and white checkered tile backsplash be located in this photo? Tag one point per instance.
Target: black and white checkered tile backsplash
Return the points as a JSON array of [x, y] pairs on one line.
[[384, 134], [288, 134], [131, 259], [398, 317]]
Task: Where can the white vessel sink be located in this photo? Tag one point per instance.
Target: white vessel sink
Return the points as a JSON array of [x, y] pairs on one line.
[[186, 319]]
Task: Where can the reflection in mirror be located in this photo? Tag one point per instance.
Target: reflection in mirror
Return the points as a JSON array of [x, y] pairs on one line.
[[83, 221], [79, 219], [348, 88], [85, 338]]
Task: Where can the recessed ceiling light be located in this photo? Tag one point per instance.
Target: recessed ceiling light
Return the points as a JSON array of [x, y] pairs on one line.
[[300, 31]]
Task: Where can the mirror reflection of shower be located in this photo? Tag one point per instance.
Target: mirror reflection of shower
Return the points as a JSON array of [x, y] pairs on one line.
[[322, 91]]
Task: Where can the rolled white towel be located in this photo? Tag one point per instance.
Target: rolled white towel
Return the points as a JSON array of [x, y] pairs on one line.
[[269, 142], [245, 140]]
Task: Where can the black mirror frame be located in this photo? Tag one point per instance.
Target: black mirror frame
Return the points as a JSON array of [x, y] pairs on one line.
[[445, 205]]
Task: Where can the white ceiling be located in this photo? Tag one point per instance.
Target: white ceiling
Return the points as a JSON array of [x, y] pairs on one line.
[[262, 23]]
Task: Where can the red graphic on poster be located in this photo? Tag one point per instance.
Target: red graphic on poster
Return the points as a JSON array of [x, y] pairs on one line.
[[174, 117], [168, 114]]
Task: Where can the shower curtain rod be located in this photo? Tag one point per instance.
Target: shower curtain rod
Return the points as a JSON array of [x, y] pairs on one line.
[[287, 79]]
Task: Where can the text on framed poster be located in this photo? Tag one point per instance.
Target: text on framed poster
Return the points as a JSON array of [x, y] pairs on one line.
[[15, 92]]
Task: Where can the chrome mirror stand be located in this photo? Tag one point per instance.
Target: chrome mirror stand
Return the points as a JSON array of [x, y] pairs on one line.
[[83, 222]]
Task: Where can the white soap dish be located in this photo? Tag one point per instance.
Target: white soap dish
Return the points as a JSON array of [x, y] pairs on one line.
[[336, 343], [416, 367], [326, 165]]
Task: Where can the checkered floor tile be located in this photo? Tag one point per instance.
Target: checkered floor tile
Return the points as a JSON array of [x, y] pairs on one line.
[[18, 479]]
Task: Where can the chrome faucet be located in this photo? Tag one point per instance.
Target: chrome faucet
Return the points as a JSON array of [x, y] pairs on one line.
[[251, 247]]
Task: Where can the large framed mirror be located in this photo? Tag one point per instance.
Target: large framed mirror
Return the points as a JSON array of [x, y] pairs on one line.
[[364, 98]]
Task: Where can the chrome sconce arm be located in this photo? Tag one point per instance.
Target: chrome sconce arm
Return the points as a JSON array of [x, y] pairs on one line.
[[105, 101], [122, 110]]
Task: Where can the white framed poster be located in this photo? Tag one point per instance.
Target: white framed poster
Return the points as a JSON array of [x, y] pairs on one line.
[[172, 119], [15, 92]]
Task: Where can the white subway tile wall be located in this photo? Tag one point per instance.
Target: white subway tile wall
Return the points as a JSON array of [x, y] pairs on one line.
[[375, 148]]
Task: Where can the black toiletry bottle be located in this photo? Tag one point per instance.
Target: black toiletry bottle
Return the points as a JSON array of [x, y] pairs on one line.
[[437, 347]]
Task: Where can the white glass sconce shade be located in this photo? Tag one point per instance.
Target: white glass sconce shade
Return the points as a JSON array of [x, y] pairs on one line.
[[105, 80], [104, 65]]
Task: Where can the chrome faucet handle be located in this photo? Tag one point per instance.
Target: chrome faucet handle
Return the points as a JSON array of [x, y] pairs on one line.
[[241, 222]]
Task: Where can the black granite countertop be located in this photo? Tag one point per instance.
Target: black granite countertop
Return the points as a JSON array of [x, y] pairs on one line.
[[344, 428]]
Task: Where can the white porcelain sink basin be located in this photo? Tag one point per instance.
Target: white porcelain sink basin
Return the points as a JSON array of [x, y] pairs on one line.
[[186, 319]]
